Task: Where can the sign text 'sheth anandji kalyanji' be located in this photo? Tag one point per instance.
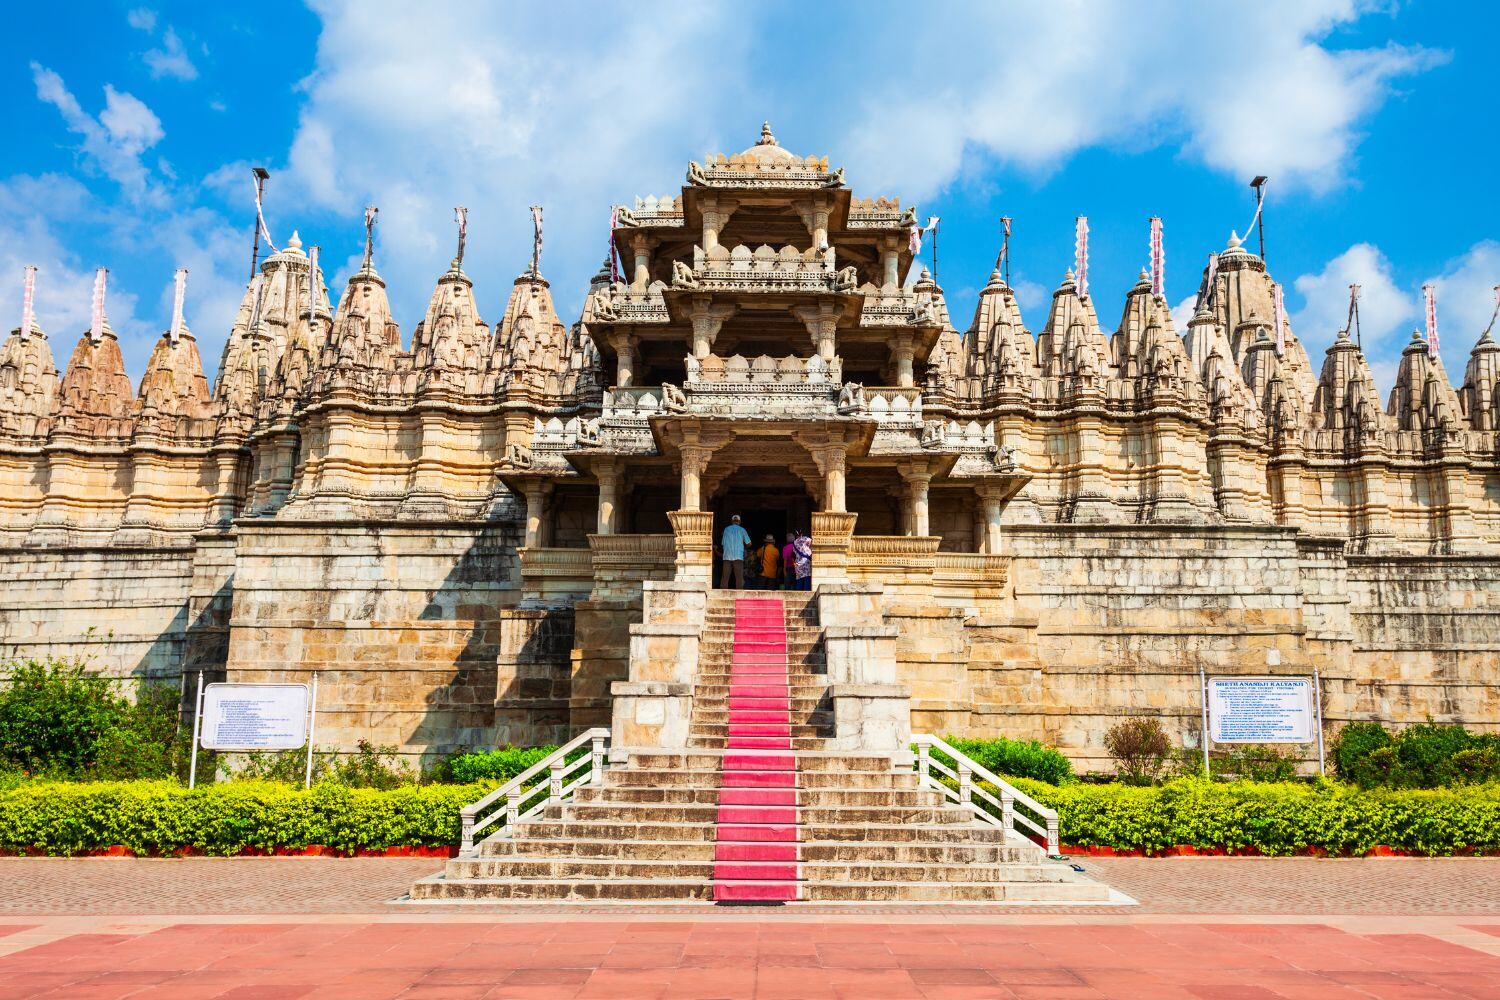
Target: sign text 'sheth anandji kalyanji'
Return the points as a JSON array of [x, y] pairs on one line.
[[1261, 710], [255, 716]]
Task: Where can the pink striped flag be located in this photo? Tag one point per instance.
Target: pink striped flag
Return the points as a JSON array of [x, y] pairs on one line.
[[96, 326], [1280, 310], [1429, 293], [1158, 258], [1081, 255], [178, 295], [28, 299]]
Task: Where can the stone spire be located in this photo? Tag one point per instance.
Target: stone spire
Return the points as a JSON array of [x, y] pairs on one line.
[[1071, 346], [95, 398], [306, 329], [998, 350], [531, 350], [451, 345], [173, 388], [364, 341], [1480, 397], [1423, 398], [28, 385], [1232, 402], [1346, 400], [259, 336]]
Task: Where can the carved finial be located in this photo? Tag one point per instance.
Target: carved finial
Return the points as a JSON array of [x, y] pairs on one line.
[[1234, 241], [766, 138], [295, 243]]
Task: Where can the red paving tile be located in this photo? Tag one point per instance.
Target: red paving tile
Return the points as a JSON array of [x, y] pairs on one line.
[[1166, 961]]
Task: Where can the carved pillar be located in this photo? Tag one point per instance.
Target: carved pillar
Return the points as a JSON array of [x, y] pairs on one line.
[[822, 322], [537, 527], [624, 345], [902, 353], [694, 464], [992, 505], [707, 319], [918, 477], [641, 244], [890, 262], [832, 464], [716, 211], [608, 474]]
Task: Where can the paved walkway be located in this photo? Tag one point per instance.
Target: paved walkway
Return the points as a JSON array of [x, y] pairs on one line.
[[258, 929]]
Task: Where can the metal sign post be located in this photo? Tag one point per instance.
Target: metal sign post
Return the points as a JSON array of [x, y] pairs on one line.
[[312, 721], [1203, 694], [197, 728], [1318, 701]]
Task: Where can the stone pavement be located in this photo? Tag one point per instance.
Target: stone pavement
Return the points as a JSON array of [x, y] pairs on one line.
[[1208, 928]]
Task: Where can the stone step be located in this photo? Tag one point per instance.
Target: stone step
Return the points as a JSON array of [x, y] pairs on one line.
[[489, 889], [552, 829], [802, 761], [647, 813], [823, 852], [697, 795], [630, 777], [522, 866]]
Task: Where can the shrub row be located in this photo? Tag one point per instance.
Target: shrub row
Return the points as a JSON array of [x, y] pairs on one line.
[[157, 817], [1423, 756], [160, 817], [1015, 758], [1286, 818]]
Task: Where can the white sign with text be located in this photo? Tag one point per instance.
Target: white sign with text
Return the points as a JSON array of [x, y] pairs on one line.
[[1261, 710], [254, 716]]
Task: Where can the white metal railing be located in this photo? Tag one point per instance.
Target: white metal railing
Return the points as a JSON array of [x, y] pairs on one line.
[[931, 773], [525, 795]]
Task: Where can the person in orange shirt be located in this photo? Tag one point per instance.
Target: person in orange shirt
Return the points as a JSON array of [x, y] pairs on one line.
[[769, 558]]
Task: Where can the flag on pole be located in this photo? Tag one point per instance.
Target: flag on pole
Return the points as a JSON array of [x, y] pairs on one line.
[[178, 295], [1494, 312], [96, 326], [370, 212], [312, 284], [28, 299], [914, 240], [1279, 308], [257, 292], [1081, 255], [1158, 258], [1210, 277], [1002, 262], [614, 251], [461, 214], [260, 220], [536, 239], [1429, 293]]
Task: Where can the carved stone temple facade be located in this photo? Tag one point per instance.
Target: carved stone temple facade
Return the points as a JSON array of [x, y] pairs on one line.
[[482, 534]]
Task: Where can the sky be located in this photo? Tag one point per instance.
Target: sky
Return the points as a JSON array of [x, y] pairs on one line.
[[133, 128]]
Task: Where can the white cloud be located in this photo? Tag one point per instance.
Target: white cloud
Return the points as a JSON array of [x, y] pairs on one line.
[[1466, 294], [114, 141], [141, 19], [1386, 312], [1182, 313], [170, 59], [1245, 88]]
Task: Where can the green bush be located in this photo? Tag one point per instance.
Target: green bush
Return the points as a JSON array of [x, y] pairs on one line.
[[1423, 756], [1141, 749], [1255, 762], [159, 817], [58, 719], [498, 765], [1016, 758], [1274, 818], [369, 766]]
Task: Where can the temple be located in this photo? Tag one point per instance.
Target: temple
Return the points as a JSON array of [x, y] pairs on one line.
[[504, 534]]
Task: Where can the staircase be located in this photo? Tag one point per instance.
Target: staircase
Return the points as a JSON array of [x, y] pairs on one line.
[[755, 810]]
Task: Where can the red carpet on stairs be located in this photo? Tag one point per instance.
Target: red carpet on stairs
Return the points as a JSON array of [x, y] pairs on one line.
[[755, 855]]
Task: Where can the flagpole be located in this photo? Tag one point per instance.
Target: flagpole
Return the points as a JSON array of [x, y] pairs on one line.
[[261, 175]]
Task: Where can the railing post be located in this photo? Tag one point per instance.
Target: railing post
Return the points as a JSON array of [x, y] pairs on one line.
[[555, 782], [1007, 813], [597, 773], [468, 837], [1054, 843], [922, 763], [513, 808], [965, 785]]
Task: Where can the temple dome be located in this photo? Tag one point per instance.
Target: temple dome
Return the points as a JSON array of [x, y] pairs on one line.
[[767, 150]]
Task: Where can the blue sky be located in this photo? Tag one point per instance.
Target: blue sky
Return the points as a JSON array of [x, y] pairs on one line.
[[133, 131]]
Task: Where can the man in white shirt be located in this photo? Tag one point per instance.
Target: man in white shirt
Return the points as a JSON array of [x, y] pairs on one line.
[[732, 545]]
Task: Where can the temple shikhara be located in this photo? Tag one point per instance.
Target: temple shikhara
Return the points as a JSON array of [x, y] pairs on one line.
[[478, 534]]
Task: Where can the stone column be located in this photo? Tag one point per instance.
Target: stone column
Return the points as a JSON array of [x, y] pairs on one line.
[[716, 211], [991, 504], [890, 261], [694, 464], [536, 522], [707, 318], [832, 463], [608, 474], [917, 480], [902, 353], [641, 244], [624, 345], [822, 323]]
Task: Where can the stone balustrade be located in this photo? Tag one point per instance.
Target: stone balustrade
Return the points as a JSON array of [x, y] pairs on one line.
[[762, 371], [894, 407], [622, 563], [764, 269]]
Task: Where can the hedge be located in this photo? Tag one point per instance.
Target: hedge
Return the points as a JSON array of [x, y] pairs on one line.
[[160, 817], [1274, 819]]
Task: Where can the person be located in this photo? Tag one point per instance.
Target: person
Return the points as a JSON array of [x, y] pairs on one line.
[[768, 563], [789, 562], [732, 544], [802, 551]]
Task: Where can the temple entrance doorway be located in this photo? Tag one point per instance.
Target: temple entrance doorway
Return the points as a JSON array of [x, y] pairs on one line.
[[767, 505]]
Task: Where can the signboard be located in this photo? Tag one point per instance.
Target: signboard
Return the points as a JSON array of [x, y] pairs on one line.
[[1262, 710], [254, 716]]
